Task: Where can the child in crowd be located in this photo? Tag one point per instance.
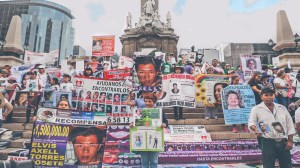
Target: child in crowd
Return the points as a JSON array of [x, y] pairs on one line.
[[66, 86]]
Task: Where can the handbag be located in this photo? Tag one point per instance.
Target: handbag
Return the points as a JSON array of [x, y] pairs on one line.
[[283, 93]]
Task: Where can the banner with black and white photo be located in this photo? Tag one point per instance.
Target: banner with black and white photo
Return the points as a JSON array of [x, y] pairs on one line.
[[96, 95], [178, 90], [250, 64]]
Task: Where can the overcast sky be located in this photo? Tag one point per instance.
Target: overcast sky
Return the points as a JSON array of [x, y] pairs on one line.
[[203, 23]]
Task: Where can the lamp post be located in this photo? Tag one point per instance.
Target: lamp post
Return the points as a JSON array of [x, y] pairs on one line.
[[198, 60], [25, 47], [2, 44], [297, 40]]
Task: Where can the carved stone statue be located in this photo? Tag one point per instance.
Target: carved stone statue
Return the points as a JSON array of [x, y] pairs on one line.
[[128, 20], [149, 7], [156, 20], [169, 20]]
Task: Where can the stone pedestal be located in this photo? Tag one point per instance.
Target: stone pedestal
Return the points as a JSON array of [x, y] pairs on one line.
[[10, 60]]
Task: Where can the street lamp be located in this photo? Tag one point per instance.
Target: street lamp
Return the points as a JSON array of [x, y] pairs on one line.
[[25, 47], [297, 40], [198, 60], [2, 44]]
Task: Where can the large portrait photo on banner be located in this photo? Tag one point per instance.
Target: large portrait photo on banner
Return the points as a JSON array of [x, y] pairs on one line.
[[237, 101], [208, 89], [103, 45], [250, 64]]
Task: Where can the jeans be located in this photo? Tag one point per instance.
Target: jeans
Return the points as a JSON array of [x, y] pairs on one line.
[[211, 112], [285, 101], [149, 159], [272, 150]]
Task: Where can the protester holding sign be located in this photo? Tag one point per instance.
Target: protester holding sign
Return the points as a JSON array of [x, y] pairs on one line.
[[66, 86], [277, 143], [282, 89], [210, 111], [178, 114], [150, 159], [255, 84]]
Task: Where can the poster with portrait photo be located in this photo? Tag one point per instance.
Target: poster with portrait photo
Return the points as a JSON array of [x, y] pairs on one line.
[[116, 99], [237, 102], [94, 107], [240, 74], [208, 89], [109, 98], [60, 96], [250, 64], [177, 90], [263, 127], [192, 57], [147, 70], [149, 117], [74, 104], [116, 109], [48, 95], [146, 139], [21, 100], [125, 62], [103, 45], [278, 128]]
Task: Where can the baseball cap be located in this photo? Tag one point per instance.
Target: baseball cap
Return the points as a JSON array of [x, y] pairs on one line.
[[41, 67], [267, 90]]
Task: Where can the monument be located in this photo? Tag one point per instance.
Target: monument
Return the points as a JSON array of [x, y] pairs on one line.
[[285, 45], [13, 48], [149, 32]]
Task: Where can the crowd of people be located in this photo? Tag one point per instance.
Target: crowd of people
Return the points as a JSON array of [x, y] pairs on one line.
[[281, 83]]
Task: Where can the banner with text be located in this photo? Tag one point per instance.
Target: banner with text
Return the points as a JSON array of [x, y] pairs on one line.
[[103, 45], [178, 90], [208, 89], [237, 102]]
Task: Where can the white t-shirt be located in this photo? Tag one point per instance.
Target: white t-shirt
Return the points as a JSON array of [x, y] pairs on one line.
[[297, 115], [296, 84], [43, 78], [33, 85], [67, 87], [280, 81], [55, 87]]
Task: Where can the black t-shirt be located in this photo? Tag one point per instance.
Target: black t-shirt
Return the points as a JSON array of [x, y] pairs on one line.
[[258, 85]]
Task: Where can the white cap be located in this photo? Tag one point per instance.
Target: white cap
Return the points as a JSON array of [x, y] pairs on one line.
[[41, 67]]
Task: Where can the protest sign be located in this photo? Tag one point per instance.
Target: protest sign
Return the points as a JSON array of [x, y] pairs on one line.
[[118, 74], [178, 90], [147, 70], [19, 71], [250, 64], [80, 65], [103, 45], [21, 100], [102, 95], [48, 98], [146, 139], [117, 147], [187, 129], [208, 89], [149, 117], [32, 58], [188, 137], [125, 62], [60, 136], [62, 100], [237, 102]]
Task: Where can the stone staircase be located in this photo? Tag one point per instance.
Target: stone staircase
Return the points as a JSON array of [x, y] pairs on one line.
[[215, 127]]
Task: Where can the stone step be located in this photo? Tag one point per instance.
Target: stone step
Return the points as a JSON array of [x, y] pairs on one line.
[[18, 143], [27, 134], [191, 115], [200, 121], [17, 126], [4, 152], [187, 110], [21, 114], [20, 120], [231, 136]]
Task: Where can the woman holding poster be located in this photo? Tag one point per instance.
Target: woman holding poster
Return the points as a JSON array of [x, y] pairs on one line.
[[233, 101]]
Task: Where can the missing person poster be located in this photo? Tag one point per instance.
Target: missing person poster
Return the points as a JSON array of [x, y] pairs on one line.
[[147, 139], [148, 117], [146, 74], [250, 64], [67, 139], [104, 96], [237, 102], [125, 62], [103, 45], [208, 89], [178, 90]]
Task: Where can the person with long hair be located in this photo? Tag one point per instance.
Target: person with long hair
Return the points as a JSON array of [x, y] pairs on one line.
[[282, 87], [235, 80], [54, 84], [88, 72], [255, 84]]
